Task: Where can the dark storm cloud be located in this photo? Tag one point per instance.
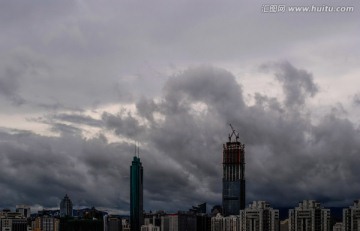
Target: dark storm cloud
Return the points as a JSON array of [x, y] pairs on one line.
[[297, 83], [40, 170], [207, 85], [128, 126]]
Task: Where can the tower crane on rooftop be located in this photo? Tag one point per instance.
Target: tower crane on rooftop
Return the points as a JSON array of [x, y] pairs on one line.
[[233, 134]]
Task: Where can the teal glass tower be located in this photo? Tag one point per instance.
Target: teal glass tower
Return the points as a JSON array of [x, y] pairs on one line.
[[136, 194]]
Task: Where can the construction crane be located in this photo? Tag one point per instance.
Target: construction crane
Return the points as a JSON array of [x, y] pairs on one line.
[[233, 134]]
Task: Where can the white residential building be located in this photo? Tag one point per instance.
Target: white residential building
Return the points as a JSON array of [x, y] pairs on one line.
[[217, 223], [309, 216], [351, 217], [259, 216], [231, 223]]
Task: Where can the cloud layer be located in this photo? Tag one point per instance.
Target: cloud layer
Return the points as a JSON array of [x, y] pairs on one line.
[[288, 156]]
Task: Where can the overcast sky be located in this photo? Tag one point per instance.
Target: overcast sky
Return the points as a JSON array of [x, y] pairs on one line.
[[81, 81]]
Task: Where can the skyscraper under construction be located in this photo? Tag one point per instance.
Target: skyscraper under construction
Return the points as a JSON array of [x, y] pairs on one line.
[[233, 196]]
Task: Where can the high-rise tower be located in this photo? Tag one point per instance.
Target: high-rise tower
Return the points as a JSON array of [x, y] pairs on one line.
[[136, 194], [233, 196], [66, 207]]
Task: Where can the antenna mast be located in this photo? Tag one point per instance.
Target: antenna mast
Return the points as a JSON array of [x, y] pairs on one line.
[[137, 149]]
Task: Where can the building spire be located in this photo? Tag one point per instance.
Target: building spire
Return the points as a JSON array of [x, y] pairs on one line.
[[137, 149]]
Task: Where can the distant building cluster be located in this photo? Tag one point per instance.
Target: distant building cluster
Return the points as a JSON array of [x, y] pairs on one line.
[[64, 219], [308, 215]]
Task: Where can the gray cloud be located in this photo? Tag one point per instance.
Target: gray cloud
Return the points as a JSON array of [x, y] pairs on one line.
[[356, 99], [78, 119], [297, 83], [40, 170], [9, 86], [128, 126]]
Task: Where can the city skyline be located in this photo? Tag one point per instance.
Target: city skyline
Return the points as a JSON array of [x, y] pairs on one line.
[[81, 81]]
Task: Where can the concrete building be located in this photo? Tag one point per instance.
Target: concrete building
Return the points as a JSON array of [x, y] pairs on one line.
[[150, 227], [125, 224], [233, 194], [338, 227], [66, 207], [231, 223], [46, 223], [284, 225], [154, 218], [309, 216], [180, 221], [13, 221], [351, 217], [112, 223], [24, 210], [217, 223], [259, 216], [203, 222]]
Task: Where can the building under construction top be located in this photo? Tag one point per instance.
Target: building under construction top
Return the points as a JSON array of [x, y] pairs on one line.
[[233, 196]]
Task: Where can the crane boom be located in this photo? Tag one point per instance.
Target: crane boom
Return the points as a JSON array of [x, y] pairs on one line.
[[233, 133]]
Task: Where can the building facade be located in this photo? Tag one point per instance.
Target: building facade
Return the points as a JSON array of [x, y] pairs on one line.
[[259, 216], [23, 210], [136, 195], [233, 195], [309, 216], [231, 223], [338, 227], [351, 217], [178, 222], [66, 207], [217, 223], [46, 223], [13, 221], [150, 227]]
